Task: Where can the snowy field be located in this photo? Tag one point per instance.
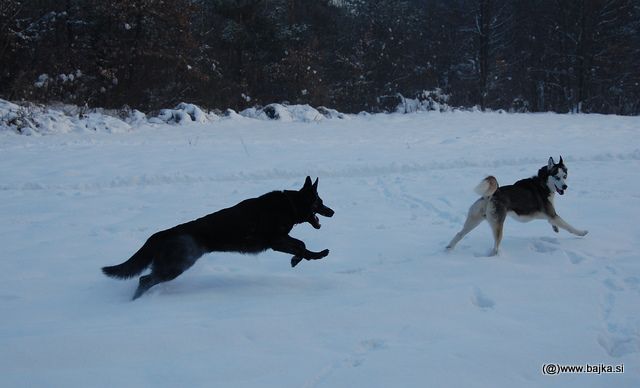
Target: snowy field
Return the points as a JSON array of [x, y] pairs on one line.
[[387, 308]]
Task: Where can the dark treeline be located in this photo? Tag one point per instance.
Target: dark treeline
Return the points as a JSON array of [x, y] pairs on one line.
[[535, 55]]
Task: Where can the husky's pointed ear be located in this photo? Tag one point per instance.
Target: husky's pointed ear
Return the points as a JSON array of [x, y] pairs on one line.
[[307, 183], [551, 163], [561, 162], [315, 185]]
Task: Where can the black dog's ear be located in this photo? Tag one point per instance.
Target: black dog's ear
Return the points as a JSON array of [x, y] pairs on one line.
[[551, 163], [315, 185], [307, 183], [561, 162]]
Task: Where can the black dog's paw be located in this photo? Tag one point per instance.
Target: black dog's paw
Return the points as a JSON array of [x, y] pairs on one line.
[[310, 256], [295, 260]]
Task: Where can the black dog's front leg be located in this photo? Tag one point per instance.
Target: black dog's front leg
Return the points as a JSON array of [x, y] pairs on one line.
[[297, 248]]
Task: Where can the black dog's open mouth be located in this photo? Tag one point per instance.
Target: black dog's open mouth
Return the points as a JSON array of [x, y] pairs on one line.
[[324, 211], [315, 222], [560, 191]]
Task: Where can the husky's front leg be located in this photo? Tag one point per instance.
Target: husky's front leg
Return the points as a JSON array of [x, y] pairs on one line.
[[297, 248], [558, 222]]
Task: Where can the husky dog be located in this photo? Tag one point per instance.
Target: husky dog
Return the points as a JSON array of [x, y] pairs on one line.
[[252, 226], [526, 200]]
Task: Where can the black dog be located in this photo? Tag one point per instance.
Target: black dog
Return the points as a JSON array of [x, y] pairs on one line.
[[252, 226]]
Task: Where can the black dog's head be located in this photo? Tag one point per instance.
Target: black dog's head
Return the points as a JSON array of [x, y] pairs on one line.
[[311, 204]]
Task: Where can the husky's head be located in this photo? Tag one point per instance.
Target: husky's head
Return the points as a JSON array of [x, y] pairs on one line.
[[312, 204], [557, 176]]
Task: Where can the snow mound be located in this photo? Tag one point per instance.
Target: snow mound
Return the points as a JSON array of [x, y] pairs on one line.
[[103, 123], [7, 107], [424, 101], [31, 119], [291, 113], [136, 118], [332, 113], [184, 114], [232, 114]]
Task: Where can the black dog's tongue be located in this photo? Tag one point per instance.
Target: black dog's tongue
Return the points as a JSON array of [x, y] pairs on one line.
[[560, 191]]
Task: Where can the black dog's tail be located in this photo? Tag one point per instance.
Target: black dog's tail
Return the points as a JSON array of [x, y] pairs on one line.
[[130, 268]]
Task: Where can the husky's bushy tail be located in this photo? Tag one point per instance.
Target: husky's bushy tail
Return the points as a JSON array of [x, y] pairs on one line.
[[132, 267], [487, 187]]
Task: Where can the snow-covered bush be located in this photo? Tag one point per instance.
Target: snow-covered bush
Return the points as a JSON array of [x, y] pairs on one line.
[[303, 113], [31, 119], [426, 100], [269, 112], [433, 100], [519, 105], [27, 118], [232, 114], [332, 113], [99, 122], [391, 103], [184, 114], [132, 117]]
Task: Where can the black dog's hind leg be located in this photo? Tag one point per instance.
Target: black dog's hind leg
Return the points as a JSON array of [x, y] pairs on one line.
[[145, 283], [148, 281], [178, 254], [297, 248]]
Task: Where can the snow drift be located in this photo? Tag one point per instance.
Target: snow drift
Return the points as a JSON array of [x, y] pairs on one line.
[[32, 119], [387, 308]]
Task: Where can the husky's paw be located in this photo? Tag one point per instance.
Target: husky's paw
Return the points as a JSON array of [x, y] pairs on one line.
[[555, 229], [582, 233]]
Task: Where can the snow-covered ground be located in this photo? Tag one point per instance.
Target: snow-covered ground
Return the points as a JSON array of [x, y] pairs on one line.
[[387, 308]]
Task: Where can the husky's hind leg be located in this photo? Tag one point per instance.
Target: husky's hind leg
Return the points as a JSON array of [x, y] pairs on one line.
[[496, 216], [497, 228], [474, 218]]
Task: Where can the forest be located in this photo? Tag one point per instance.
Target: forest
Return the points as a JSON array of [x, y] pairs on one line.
[[350, 55]]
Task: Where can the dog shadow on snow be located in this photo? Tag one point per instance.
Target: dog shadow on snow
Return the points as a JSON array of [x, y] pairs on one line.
[[236, 284], [522, 247]]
